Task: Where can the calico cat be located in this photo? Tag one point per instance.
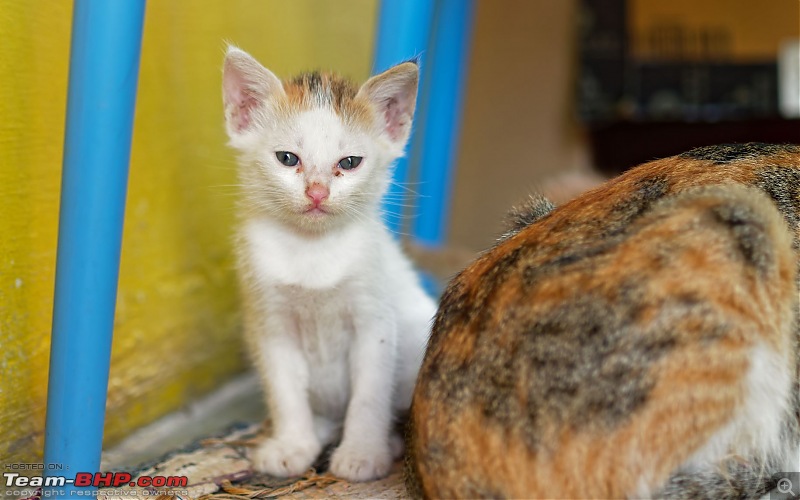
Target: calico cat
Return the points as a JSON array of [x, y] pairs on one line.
[[638, 341], [335, 317]]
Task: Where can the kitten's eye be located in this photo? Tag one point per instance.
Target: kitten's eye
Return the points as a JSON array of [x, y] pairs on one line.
[[287, 158], [350, 162]]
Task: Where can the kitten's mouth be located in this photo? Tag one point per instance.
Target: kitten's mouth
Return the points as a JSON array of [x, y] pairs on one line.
[[315, 211]]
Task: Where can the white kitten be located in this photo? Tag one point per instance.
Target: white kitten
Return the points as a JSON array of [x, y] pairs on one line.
[[335, 317]]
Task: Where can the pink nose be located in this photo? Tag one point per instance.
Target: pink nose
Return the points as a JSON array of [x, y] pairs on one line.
[[317, 193]]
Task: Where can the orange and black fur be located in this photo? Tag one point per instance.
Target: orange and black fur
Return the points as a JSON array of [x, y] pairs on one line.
[[638, 341]]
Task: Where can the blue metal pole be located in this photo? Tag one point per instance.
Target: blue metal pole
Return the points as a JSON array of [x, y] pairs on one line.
[[104, 67], [403, 32], [442, 100]]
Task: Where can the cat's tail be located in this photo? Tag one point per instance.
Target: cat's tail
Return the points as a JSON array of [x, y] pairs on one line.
[[736, 479]]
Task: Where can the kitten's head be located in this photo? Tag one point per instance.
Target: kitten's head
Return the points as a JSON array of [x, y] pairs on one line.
[[315, 150]]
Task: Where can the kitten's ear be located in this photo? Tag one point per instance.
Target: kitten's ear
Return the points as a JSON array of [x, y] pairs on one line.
[[246, 86], [394, 94]]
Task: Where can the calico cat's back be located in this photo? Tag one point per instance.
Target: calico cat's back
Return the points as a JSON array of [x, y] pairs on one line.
[[775, 169], [643, 328]]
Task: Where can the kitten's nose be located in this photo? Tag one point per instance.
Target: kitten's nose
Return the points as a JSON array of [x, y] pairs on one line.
[[317, 193]]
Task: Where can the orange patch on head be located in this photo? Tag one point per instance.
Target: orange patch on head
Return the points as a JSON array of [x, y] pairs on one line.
[[323, 89]]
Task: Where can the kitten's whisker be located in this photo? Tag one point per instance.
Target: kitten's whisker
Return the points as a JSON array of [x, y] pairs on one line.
[[400, 205], [404, 186]]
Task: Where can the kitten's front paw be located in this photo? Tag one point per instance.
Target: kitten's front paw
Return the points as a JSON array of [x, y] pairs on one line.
[[361, 462], [284, 457]]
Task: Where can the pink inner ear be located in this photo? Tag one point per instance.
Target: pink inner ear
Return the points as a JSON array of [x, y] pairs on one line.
[[241, 113], [396, 119], [240, 101]]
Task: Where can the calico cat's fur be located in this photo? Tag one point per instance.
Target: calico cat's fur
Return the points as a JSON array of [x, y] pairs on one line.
[[335, 317], [640, 340]]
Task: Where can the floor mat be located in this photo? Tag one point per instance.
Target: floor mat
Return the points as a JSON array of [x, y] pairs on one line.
[[218, 468]]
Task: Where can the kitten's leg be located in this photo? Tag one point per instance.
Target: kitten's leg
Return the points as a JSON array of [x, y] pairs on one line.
[[397, 445], [327, 430], [294, 445], [413, 334], [365, 452], [412, 337]]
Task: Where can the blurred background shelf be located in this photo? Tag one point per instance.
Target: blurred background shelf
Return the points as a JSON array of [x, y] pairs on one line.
[[620, 145]]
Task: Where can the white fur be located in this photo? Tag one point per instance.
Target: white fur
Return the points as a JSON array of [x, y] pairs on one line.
[[755, 428], [338, 319]]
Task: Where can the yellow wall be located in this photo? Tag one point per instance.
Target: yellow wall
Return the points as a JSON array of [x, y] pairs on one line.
[[176, 333]]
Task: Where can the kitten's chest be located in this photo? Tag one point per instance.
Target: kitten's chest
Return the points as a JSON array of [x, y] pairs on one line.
[[279, 257], [323, 322], [324, 329]]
